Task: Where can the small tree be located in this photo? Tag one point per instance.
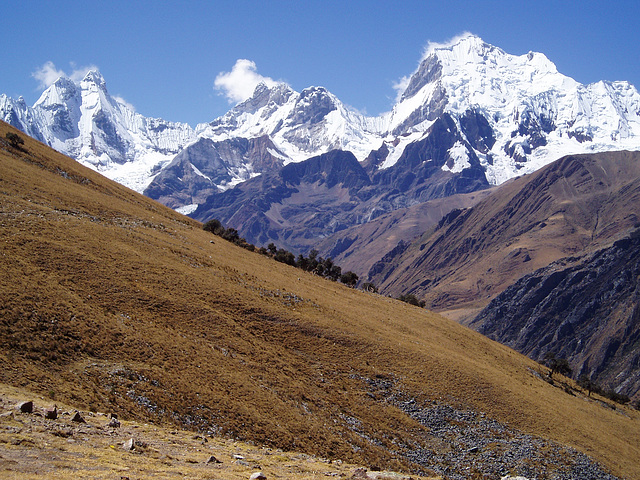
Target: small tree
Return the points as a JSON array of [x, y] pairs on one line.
[[585, 382], [411, 299], [349, 278], [214, 226], [557, 365]]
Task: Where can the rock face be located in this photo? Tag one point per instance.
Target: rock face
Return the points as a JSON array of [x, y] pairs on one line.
[[584, 309], [206, 167]]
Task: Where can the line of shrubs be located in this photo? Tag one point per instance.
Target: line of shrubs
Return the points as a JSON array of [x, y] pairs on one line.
[[324, 267], [561, 366], [585, 382]]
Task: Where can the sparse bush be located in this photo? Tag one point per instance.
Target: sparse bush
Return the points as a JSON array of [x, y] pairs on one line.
[[349, 278], [557, 365], [586, 383], [369, 287], [411, 299], [620, 398], [323, 267], [14, 139], [214, 226]]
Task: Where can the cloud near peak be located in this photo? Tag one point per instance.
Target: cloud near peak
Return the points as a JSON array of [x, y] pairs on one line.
[[239, 84], [47, 74]]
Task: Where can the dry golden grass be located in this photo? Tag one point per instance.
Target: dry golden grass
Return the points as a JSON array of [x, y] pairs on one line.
[[112, 302]]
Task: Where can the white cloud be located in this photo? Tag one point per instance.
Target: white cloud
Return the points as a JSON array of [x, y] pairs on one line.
[[240, 83], [48, 73], [79, 73], [400, 86], [122, 101], [432, 46]]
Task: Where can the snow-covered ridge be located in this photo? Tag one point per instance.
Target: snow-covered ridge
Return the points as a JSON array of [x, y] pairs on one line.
[[83, 121], [516, 112], [301, 124]]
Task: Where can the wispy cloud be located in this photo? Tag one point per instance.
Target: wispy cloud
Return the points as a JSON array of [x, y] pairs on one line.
[[48, 73], [432, 46], [400, 86], [240, 83]]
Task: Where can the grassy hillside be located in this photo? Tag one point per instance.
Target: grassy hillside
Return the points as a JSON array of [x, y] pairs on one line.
[[112, 302]]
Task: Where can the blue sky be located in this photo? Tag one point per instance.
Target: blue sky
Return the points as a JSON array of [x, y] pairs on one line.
[[163, 57]]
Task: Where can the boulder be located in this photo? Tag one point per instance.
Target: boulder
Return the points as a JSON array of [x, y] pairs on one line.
[[51, 413], [25, 407], [77, 418]]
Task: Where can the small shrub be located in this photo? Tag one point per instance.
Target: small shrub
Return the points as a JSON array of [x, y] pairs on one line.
[[14, 139], [411, 299], [369, 287], [349, 278]]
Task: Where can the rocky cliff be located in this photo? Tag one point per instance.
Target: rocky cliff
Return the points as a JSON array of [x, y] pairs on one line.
[[585, 309]]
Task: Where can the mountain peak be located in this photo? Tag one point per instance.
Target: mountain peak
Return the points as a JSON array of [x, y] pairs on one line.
[[264, 94], [59, 92], [94, 77]]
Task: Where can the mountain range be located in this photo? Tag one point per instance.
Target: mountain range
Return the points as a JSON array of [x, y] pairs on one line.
[[507, 114]]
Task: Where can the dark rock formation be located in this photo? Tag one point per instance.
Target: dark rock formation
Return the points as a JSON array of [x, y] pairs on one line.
[[585, 309], [196, 172]]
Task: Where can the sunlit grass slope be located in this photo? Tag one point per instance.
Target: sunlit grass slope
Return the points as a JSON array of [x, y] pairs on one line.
[[111, 301]]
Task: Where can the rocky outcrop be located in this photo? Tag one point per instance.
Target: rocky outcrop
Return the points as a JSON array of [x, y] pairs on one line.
[[584, 309]]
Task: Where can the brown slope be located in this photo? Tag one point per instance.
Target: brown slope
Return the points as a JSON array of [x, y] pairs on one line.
[[113, 302], [576, 204], [358, 248]]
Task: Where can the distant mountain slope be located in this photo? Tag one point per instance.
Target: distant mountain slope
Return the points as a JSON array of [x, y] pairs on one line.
[[578, 203], [357, 248], [117, 303], [584, 309], [307, 201], [85, 122]]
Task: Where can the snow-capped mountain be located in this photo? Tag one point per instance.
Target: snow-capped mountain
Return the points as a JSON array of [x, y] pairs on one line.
[[534, 113], [85, 122], [302, 124], [513, 114]]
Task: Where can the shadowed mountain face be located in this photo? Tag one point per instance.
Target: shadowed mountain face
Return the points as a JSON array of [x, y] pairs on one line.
[[578, 203], [305, 202], [199, 170], [584, 309]]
